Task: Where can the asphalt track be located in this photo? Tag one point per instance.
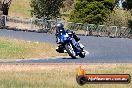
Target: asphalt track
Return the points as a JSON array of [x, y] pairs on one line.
[[101, 49]]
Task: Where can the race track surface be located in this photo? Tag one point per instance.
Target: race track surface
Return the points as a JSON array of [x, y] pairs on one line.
[[101, 49]]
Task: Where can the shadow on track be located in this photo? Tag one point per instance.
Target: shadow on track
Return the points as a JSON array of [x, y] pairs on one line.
[[71, 58]]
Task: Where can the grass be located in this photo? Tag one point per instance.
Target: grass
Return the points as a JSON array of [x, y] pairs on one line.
[[20, 49], [56, 76], [20, 8]]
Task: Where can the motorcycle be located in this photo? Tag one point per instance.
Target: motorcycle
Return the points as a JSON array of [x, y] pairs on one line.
[[68, 43]]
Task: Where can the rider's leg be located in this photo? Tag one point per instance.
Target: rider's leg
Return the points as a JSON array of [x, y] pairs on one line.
[[60, 49], [81, 45], [57, 41], [76, 37]]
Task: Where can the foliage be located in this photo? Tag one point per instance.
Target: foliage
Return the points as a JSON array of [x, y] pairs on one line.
[[127, 4], [130, 24], [5, 9], [46, 8], [91, 11], [119, 18]]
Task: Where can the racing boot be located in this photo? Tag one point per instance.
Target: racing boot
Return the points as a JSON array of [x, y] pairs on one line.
[[60, 49]]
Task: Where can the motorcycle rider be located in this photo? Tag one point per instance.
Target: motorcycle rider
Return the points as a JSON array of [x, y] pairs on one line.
[[60, 29]]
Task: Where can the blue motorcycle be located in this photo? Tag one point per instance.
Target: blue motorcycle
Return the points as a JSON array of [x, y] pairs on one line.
[[68, 43]]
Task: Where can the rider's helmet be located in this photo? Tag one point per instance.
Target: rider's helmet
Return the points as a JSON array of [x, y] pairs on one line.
[[59, 27]]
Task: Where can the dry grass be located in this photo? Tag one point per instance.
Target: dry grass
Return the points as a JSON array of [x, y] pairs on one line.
[[20, 8], [20, 49], [56, 76], [22, 26]]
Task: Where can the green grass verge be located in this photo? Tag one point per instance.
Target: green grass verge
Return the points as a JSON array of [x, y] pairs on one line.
[[56, 76], [18, 49]]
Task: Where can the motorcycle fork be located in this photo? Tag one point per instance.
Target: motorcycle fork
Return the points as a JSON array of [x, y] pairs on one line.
[[76, 46]]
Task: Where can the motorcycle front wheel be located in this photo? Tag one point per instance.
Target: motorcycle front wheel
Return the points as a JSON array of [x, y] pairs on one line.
[[70, 50]]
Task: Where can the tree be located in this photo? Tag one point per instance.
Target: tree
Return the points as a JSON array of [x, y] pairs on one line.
[[4, 6], [91, 11], [119, 18], [46, 8], [127, 4]]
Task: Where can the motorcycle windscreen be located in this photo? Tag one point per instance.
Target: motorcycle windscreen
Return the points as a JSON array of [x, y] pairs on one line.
[[62, 37]]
